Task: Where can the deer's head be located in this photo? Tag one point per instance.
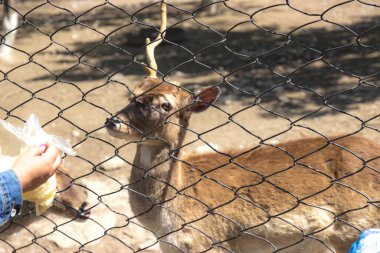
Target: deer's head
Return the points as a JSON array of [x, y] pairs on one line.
[[159, 110], [70, 197]]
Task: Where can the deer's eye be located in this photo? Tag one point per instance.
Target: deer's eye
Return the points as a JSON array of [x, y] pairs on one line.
[[166, 106]]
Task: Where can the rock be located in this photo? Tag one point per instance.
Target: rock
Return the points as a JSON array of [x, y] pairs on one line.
[[75, 133]]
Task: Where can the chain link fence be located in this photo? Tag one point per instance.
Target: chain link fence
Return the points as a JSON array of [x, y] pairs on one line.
[[288, 70]]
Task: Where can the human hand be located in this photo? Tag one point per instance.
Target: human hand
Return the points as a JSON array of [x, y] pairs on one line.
[[35, 166]]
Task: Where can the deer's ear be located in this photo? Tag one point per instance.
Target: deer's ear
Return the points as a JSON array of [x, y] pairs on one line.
[[204, 97]]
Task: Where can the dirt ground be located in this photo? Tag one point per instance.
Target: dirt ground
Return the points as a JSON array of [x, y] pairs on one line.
[[73, 75]]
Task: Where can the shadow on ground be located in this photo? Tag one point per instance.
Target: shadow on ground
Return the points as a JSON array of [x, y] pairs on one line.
[[287, 71]]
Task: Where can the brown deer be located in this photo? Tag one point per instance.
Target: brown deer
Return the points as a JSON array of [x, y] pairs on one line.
[[310, 195]]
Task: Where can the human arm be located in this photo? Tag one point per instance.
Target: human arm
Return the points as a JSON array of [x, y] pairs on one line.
[[11, 196]]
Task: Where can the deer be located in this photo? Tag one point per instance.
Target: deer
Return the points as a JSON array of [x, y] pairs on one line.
[[309, 195], [10, 24]]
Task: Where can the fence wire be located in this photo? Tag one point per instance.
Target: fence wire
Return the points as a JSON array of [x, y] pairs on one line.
[[307, 69]]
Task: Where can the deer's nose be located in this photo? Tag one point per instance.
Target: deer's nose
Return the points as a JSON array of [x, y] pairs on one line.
[[83, 213], [113, 122]]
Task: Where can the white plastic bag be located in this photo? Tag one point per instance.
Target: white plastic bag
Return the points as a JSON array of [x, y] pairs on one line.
[[33, 135]]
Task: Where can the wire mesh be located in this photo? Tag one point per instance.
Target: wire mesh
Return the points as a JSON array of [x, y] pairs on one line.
[[287, 70]]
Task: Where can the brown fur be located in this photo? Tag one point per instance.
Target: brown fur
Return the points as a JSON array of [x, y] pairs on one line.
[[310, 193]]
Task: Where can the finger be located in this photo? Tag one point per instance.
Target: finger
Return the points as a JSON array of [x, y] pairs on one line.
[[51, 153], [57, 163], [45, 146], [37, 150]]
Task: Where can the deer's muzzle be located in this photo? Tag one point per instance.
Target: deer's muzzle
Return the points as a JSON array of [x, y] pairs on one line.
[[113, 123]]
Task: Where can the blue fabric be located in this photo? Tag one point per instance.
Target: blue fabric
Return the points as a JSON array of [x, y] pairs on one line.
[[11, 196], [368, 242]]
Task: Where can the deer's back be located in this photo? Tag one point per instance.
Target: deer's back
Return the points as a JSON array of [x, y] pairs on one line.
[[305, 184]]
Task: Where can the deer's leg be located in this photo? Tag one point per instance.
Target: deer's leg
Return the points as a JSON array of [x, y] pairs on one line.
[[212, 8], [10, 23]]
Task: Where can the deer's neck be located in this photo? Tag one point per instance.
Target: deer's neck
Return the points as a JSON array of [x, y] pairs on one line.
[[152, 158], [154, 175], [155, 180]]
